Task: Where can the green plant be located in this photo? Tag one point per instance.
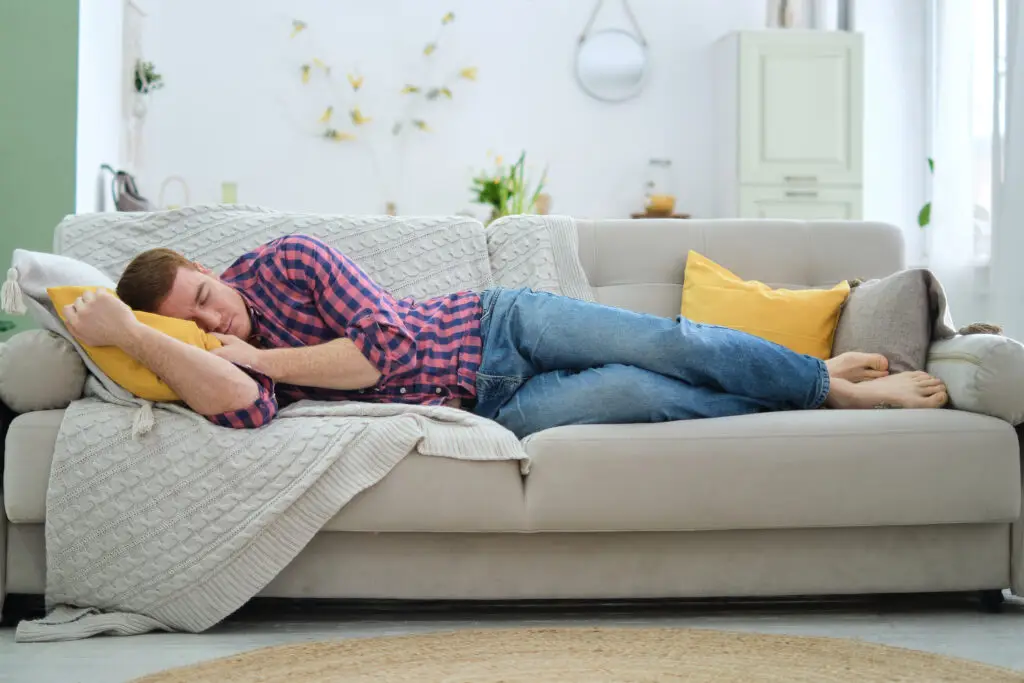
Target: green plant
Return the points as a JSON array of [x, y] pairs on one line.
[[146, 78], [924, 216], [507, 190]]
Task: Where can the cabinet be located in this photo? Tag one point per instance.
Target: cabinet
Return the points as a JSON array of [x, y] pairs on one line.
[[790, 111]]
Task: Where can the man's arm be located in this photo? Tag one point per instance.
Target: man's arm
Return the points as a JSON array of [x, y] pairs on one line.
[[335, 364], [208, 384], [352, 305]]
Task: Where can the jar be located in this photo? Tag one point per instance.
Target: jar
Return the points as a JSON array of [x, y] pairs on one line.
[[659, 196]]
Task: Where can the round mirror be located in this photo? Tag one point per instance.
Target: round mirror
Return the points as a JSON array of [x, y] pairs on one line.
[[611, 65]]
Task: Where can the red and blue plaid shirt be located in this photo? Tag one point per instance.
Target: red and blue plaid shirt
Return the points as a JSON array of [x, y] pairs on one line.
[[302, 292]]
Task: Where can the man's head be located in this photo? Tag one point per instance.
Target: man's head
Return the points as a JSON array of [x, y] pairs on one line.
[[165, 282]]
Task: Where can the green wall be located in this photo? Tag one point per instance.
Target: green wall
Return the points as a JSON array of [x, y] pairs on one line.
[[38, 114]]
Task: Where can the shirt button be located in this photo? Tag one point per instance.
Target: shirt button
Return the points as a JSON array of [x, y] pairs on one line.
[[402, 390], [438, 390]]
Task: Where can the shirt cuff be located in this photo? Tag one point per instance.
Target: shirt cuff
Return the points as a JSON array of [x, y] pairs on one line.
[[258, 413]]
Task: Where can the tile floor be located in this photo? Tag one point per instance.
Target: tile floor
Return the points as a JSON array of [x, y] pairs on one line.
[[950, 627]]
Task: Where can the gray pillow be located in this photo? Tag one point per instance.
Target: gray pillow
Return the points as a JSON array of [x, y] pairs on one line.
[[40, 370], [891, 316]]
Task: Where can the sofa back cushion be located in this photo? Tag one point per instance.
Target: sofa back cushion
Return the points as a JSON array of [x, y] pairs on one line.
[[639, 264], [410, 256]]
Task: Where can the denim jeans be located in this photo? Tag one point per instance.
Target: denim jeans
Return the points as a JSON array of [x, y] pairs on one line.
[[551, 360]]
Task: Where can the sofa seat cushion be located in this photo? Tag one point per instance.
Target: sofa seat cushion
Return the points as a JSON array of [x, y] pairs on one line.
[[820, 468], [421, 494]]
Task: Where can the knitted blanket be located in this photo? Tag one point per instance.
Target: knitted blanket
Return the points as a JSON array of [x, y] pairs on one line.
[[158, 519]]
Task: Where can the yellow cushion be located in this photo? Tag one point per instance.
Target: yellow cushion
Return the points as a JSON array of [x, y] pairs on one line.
[[801, 320], [122, 368]]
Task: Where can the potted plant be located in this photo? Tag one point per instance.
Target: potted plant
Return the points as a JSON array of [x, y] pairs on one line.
[[507, 190]]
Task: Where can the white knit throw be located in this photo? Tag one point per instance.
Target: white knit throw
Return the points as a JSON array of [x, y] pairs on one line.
[[157, 519]]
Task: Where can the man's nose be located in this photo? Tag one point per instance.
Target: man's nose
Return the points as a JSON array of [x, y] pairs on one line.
[[209, 321]]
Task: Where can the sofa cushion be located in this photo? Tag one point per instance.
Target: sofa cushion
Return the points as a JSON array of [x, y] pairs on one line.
[[637, 264], [802, 320], [420, 494], [128, 373], [818, 468], [40, 370], [890, 316], [984, 373]]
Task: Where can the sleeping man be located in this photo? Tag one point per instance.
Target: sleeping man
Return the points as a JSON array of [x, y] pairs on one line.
[[300, 320]]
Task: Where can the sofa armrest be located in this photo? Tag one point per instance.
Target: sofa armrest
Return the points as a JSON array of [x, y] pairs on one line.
[[984, 373]]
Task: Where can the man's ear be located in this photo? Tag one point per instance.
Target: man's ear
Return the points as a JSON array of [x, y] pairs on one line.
[[202, 269]]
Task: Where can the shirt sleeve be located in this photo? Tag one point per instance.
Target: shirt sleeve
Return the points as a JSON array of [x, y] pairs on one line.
[[259, 413], [349, 302]]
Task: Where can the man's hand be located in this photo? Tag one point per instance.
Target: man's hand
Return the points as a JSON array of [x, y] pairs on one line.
[[239, 352], [98, 318]]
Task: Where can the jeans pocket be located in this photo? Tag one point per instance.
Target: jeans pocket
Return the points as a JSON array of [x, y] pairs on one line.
[[493, 391]]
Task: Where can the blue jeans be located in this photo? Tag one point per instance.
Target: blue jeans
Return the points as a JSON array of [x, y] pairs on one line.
[[551, 360]]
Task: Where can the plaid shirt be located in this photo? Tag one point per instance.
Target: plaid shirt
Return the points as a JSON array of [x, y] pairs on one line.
[[302, 292]]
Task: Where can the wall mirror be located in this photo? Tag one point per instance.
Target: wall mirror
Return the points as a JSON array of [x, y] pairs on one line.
[[612, 63]]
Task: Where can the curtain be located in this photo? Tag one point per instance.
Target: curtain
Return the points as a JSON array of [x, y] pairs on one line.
[[951, 234], [1007, 281]]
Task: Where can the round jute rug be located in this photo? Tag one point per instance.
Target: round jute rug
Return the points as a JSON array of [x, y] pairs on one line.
[[586, 655]]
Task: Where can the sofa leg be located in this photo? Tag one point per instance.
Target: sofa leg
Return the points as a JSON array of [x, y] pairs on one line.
[[18, 607], [991, 601]]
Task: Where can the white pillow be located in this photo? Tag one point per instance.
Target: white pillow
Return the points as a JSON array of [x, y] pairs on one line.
[[40, 370], [31, 273], [984, 373]]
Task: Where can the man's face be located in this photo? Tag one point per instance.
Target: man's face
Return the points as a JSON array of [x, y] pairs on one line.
[[200, 297]]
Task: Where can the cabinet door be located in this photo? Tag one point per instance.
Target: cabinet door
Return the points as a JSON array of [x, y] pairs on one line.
[[800, 109], [803, 204]]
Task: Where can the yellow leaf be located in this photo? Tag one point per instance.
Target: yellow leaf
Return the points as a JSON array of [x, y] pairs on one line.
[[446, 92], [429, 49], [422, 125], [469, 73], [297, 27], [305, 73], [448, 18], [355, 81], [327, 115], [410, 89], [338, 136], [357, 117]]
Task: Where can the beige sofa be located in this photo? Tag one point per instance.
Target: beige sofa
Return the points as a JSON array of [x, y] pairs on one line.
[[801, 503]]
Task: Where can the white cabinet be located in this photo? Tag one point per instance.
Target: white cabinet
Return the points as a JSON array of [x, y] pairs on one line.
[[790, 112], [809, 204]]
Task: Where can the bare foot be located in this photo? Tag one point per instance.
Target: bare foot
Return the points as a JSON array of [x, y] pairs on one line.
[[854, 366], [903, 390]]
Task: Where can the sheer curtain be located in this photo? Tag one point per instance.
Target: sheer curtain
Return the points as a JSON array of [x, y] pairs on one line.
[[961, 185], [1008, 228]]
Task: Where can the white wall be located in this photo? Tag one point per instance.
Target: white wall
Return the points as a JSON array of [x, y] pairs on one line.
[[895, 114], [234, 109], [98, 135]]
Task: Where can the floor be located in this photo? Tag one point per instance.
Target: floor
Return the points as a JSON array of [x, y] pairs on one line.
[[947, 626]]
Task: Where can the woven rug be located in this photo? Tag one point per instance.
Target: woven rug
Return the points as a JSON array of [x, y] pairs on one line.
[[586, 655]]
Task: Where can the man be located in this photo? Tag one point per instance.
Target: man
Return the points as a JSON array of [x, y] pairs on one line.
[[299, 320]]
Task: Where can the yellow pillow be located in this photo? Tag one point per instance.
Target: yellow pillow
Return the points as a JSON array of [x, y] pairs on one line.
[[135, 377], [801, 320]]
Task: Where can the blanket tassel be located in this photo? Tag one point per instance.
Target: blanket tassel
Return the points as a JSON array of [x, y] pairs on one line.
[[10, 294], [144, 420]]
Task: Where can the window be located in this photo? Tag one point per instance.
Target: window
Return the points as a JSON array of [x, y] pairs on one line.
[[988, 85]]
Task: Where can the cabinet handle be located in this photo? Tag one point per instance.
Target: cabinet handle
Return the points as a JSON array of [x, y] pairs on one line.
[[804, 193], [801, 179]]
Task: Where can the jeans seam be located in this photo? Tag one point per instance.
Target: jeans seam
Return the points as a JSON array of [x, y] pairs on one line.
[[825, 385]]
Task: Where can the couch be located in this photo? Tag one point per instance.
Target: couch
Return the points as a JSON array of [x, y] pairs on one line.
[[800, 503]]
